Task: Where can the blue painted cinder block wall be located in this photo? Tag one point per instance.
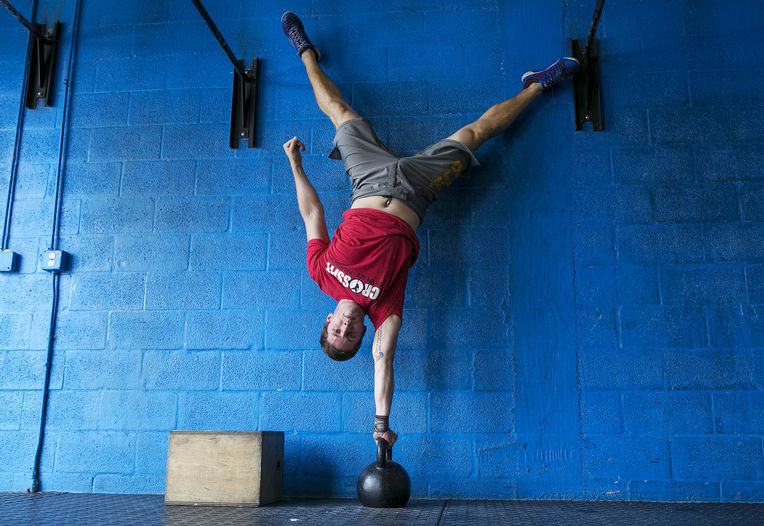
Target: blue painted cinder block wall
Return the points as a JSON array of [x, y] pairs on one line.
[[585, 320]]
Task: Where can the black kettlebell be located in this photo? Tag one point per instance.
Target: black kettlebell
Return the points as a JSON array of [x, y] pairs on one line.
[[384, 483]]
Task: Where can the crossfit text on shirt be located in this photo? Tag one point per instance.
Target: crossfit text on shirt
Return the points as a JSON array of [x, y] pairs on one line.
[[356, 285]]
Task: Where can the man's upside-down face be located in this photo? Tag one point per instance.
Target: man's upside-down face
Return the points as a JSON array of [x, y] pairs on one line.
[[346, 327]]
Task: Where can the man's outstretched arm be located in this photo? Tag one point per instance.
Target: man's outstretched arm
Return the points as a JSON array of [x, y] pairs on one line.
[[383, 351], [311, 209]]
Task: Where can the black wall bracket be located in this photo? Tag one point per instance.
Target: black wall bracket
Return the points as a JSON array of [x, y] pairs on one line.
[[42, 65], [244, 104], [41, 58], [586, 87]]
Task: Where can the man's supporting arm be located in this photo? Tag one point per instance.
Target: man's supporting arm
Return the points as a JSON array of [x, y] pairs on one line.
[[383, 351]]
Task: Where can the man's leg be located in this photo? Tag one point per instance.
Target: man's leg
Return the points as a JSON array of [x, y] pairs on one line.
[[499, 116], [328, 97], [496, 119]]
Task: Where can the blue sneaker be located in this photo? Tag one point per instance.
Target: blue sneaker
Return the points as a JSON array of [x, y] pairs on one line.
[[292, 27], [560, 70]]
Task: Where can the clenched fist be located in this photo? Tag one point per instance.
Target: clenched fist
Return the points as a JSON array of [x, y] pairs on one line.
[[390, 437], [292, 149]]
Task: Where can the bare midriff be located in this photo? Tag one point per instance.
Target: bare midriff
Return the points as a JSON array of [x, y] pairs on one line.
[[396, 208]]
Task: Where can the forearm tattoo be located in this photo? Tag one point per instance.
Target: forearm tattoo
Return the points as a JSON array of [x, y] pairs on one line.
[[380, 353]]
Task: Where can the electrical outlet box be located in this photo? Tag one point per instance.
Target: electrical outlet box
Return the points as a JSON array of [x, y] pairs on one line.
[[9, 261], [55, 260]]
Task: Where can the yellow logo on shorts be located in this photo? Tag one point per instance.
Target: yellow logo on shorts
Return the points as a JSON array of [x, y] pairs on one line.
[[442, 181]]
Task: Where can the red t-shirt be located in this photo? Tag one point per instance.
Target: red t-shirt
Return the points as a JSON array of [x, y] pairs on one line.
[[367, 261]]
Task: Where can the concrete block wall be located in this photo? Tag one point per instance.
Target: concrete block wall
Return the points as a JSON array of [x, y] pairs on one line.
[[667, 244], [584, 318]]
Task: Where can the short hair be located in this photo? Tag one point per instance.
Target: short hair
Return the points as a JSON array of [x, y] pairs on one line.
[[334, 353]]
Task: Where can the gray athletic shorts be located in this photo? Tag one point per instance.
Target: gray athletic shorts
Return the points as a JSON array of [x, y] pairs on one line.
[[417, 180]]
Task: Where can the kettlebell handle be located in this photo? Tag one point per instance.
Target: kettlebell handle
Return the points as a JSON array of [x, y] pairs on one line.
[[381, 448]]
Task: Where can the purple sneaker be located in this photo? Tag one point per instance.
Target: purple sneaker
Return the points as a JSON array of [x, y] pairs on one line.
[[560, 70], [292, 27]]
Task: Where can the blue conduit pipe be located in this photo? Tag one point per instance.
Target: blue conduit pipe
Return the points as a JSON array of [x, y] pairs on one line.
[[17, 145], [54, 239], [64, 127]]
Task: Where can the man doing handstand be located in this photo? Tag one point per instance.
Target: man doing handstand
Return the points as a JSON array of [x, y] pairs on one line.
[[365, 264]]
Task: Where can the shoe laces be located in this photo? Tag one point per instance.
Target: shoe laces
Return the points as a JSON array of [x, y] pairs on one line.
[[295, 35], [556, 71]]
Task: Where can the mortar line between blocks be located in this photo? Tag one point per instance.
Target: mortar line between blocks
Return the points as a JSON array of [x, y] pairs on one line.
[[229, 211], [161, 140], [707, 327], [612, 166], [671, 459], [196, 177], [121, 185], [268, 259], [658, 281], [189, 242], [738, 187]]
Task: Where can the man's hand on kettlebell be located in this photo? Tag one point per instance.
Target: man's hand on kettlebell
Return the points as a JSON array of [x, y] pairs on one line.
[[390, 437]]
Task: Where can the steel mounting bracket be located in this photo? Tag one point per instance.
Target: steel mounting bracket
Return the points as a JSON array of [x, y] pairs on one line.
[[586, 82], [41, 64], [586, 86], [244, 104]]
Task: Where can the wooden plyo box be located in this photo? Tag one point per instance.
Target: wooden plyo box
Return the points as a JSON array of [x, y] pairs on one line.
[[224, 468]]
